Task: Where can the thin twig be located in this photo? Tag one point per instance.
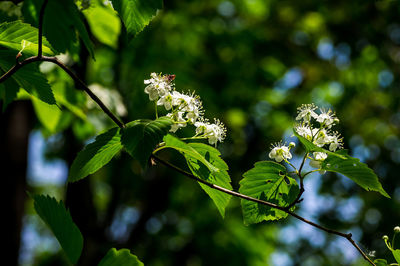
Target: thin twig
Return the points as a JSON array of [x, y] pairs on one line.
[[40, 37], [302, 189], [272, 205], [81, 85]]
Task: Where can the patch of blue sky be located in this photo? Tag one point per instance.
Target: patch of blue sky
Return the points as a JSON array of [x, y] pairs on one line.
[[42, 171], [291, 79]]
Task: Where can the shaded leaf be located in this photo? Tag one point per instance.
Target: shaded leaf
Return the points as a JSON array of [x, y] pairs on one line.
[[12, 34], [59, 220], [28, 77], [140, 137], [8, 92], [136, 14], [120, 257], [62, 20], [96, 154], [355, 170], [220, 178], [380, 262], [267, 181]]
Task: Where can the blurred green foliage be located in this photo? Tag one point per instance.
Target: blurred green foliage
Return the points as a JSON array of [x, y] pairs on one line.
[[253, 62]]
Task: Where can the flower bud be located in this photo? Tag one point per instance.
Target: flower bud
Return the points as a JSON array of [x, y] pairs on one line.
[[397, 229], [385, 237], [292, 144]]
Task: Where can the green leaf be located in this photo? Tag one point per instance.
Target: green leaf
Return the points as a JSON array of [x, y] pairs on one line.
[[311, 147], [48, 115], [59, 220], [96, 154], [380, 262], [67, 96], [186, 150], [136, 14], [120, 257], [12, 34], [140, 137], [8, 92], [28, 77], [62, 20], [104, 23], [220, 178], [267, 181], [396, 254], [355, 170]]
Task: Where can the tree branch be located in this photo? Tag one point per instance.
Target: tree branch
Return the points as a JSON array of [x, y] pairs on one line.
[[269, 204], [40, 26], [81, 85], [302, 189]]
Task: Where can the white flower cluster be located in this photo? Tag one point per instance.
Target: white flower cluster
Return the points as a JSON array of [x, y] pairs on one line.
[[281, 152], [321, 135], [184, 108]]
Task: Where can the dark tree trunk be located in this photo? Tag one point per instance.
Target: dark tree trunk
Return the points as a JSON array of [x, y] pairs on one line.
[[16, 124]]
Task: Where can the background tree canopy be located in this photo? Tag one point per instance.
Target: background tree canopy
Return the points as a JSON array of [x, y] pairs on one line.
[[253, 62]]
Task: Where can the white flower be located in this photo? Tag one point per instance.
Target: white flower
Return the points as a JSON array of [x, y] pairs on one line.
[[319, 157], [166, 100], [216, 132], [304, 131], [201, 126], [327, 118], [189, 103], [178, 121], [280, 152], [306, 112], [335, 142], [321, 137], [213, 132], [158, 85]]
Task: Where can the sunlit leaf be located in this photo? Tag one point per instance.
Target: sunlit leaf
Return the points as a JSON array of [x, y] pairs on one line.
[[59, 221], [136, 14], [104, 23], [267, 181], [220, 178], [96, 154], [311, 147], [355, 170], [341, 162], [396, 254], [120, 257], [186, 150], [14, 34], [48, 115]]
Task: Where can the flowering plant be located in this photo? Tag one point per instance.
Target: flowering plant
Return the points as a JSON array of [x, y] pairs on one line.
[[183, 108]]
